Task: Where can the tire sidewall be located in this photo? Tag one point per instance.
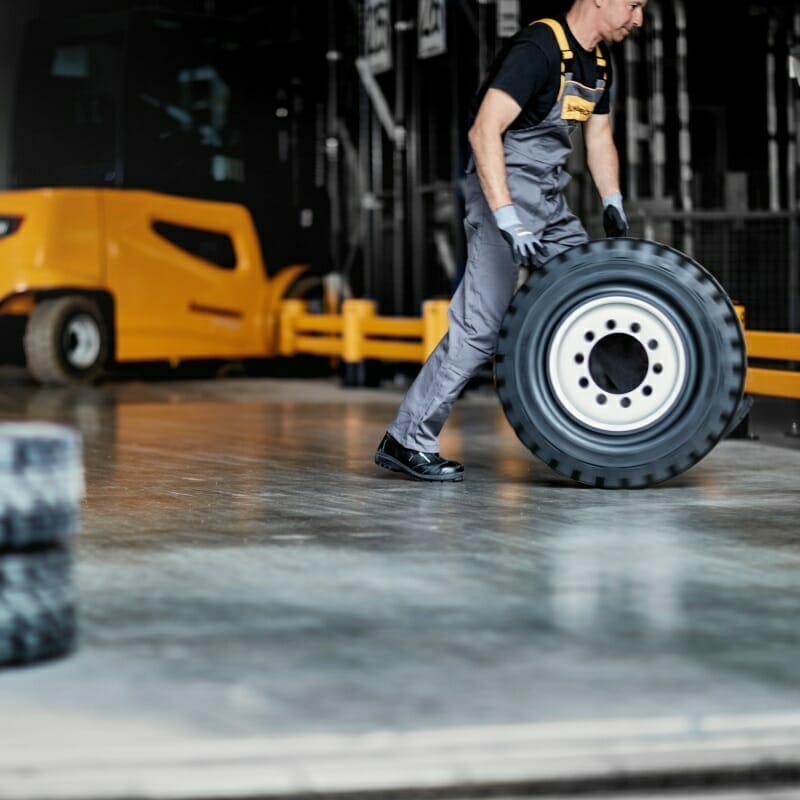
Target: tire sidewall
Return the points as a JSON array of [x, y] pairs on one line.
[[38, 606]]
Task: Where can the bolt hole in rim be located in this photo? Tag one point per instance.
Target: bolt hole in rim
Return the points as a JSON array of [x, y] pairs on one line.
[[617, 364], [82, 341]]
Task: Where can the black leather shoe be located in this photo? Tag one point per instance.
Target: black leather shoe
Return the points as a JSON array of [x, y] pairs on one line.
[[423, 466]]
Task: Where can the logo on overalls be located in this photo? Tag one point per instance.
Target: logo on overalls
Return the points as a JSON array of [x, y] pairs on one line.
[[576, 108]]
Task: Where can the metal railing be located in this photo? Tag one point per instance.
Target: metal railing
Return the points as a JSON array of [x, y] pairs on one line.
[[755, 255]]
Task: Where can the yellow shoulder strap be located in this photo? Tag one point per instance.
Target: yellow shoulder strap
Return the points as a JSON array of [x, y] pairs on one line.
[[561, 37], [601, 62], [563, 45], [566, 53]]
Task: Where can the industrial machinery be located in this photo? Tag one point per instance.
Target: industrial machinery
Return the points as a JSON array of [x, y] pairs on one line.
[[156, 213], [101, 276]]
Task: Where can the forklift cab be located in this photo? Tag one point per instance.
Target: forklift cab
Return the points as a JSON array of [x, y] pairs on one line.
[[146, 220]]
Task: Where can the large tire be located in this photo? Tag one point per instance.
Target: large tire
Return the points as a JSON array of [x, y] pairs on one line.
[[37, 606], [621, 363], [28, 518], [41, 484], [66, 341]]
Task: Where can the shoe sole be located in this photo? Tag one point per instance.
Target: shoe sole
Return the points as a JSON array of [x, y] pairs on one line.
[[392, 464]]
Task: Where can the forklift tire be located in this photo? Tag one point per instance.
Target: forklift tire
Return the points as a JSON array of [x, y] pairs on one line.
[[620, 363], [66, 341], [37, 606], [41, 485], [35, 522]]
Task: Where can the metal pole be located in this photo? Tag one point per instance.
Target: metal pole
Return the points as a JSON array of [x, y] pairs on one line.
[[331, 139], [399, 164], [631, 53], [367, 209], [793, 154], [796, 103], [377, 219], [772, 121], [417, 232], [484, 56], [457, 155], [657, 111], [684, 136]]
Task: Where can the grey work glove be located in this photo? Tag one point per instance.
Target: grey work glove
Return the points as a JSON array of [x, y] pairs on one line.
[[525, 247], [614, 220]]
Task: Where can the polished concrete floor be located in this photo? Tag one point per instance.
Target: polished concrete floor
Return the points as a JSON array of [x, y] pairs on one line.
[[263, 612]]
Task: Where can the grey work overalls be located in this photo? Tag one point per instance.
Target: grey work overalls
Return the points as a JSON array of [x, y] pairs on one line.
[[535, 160]]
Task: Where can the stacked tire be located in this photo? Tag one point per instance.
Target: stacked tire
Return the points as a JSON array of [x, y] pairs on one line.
[[41, 489]]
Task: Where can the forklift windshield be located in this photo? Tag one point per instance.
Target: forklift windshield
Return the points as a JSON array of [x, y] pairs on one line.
[[140, 100]]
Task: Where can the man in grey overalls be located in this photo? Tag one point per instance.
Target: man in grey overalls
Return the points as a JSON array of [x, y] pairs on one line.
[[553, 75]]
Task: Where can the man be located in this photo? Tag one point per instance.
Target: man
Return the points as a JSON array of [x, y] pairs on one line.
[[553, 75]]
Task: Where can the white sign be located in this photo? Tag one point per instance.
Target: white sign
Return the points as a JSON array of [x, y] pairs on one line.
[[794, 63], [507, 18], [431, 26], [378, 35]]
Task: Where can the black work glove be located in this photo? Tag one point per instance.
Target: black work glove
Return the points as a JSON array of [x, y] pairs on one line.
[[615, 222], [525, 247]]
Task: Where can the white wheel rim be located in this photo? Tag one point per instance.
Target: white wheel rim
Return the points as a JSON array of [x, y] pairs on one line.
[[82, 341], [618, 409]]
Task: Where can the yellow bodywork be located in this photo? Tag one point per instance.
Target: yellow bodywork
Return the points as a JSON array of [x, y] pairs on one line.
[[166, 303]]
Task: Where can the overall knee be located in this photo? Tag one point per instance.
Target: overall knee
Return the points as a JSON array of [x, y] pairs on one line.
[[479, 349]]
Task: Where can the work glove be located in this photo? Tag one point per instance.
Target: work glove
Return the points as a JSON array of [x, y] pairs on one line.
[[525, 247], [614, 220]]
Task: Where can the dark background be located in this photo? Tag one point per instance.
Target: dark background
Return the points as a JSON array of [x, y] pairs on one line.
[[290, 102]]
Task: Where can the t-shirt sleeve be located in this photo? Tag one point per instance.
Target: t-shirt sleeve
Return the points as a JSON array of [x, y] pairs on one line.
[[524, 72]]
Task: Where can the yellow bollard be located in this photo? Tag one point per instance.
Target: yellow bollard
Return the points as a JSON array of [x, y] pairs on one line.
[[354, 312], [434, 324], [289, 312]]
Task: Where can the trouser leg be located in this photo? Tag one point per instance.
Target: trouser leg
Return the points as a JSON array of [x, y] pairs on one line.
[[475, 315], [563, 230]]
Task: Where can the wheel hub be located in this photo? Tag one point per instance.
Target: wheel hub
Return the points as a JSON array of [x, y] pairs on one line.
[[617, 363], [82, 341]]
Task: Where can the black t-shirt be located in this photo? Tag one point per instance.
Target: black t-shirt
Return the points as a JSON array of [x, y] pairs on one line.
[[529, 69]]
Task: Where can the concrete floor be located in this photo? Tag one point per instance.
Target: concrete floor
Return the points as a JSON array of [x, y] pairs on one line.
[[263, 612]]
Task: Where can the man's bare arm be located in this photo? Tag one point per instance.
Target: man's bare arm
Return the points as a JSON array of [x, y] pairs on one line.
[[601, 154], [497, 111], [603, 161]]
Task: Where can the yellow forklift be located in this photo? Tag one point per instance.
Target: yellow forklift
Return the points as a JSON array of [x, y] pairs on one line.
[[142, 165]]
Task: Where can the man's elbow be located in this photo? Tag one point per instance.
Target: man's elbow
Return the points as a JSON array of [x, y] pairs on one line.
[[474, 135]]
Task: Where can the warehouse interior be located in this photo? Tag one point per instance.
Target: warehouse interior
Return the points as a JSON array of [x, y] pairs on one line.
[[260, 611]]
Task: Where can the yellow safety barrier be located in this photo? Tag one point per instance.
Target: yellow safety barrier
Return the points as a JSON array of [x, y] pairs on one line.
[[778, 347], [771, 346], [359, 334]]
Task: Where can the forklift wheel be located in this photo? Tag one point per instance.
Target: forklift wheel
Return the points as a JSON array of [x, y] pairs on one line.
[[66, 341], [620, 363]]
